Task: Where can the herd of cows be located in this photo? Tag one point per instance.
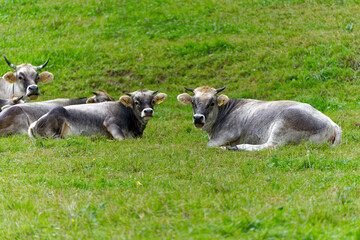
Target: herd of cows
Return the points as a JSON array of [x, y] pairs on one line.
[[234, 124]]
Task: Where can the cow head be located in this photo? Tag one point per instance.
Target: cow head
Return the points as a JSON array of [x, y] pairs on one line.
[[25, 79], [100, 96], [142, 102], [205, 104]]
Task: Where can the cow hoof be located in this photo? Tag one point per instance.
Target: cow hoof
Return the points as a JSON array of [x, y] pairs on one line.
[[233, 148]]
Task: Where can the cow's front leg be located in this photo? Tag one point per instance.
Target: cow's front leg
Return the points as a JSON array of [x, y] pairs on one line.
[[114, 130], [222, 142], [250, 147]]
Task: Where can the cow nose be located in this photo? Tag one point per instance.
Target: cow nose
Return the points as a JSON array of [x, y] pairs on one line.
[[199, 118], [148, 111], [33, 88]]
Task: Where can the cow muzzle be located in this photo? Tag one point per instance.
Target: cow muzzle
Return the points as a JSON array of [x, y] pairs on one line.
[[199, 120], [147, 113], [32, 92]]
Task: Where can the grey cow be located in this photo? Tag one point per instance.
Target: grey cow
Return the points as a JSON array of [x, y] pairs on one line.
[[17, 119], [248, 124], [23, 82], [126, 118]]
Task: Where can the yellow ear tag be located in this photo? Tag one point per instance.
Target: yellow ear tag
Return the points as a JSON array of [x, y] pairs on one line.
[[126, 103], [222, 103], [159, 101], [12, 81], [45, 80]]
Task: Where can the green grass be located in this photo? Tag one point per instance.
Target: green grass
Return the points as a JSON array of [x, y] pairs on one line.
[[168, 185]]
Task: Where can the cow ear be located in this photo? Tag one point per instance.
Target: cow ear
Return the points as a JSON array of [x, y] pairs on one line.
[[10, 77], [160, 98], [222, 100], [90, 100], [46, 77], [184, 98], [126, 100]]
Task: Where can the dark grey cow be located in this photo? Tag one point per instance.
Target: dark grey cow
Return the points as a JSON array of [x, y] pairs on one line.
[[247, 124], [17, 119], [23, 82], [5, 103], [126, 118]]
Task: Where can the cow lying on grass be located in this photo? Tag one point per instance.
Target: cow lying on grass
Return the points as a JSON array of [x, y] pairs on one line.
[[17, 119], [247, 124], [126, 118]]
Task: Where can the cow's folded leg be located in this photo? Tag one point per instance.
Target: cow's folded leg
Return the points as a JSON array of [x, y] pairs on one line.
[[229, 148], [114, 130], [232, 148], [251, 147]]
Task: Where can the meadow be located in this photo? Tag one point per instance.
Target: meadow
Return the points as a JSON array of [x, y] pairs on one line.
[[168, 185]]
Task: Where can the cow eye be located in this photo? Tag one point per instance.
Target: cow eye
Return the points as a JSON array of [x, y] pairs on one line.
[[21, 78], [137, 103], [212, 104], [153, 102]]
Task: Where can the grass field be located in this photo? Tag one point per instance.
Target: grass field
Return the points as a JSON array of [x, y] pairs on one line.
[[168, 185]]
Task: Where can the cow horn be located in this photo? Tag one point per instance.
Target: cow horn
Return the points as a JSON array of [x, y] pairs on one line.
[[42, 66], [155, 92], [9, 63], [95, 93], [219, 90], [189, 89], [19, 98], [129, 94]]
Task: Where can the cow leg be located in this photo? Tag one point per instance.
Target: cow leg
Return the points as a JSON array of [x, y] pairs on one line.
[[13, 120], [250, 147], [51, 125], [113, 129]]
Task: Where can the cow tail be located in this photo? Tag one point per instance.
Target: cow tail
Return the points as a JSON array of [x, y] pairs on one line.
[[337, 135]]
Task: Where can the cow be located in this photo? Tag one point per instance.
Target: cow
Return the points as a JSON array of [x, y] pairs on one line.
[[123, 119], [17, 119], [5, 103], [250, 125], [23, 82]]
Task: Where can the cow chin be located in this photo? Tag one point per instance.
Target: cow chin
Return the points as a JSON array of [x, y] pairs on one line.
[[147, 118], [199, 125], [33, 96]]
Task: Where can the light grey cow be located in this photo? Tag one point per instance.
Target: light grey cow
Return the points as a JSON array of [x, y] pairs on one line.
[[23, 82], [17, 119], [126, 118], [248, 124]]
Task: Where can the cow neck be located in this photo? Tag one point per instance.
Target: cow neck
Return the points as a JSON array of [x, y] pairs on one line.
[[223, 113], [135, 124]]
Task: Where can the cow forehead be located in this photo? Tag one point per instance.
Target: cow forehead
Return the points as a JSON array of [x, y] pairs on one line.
[[143, 94], [26, 68], [204, 93], [102, 93], [205, 89]]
